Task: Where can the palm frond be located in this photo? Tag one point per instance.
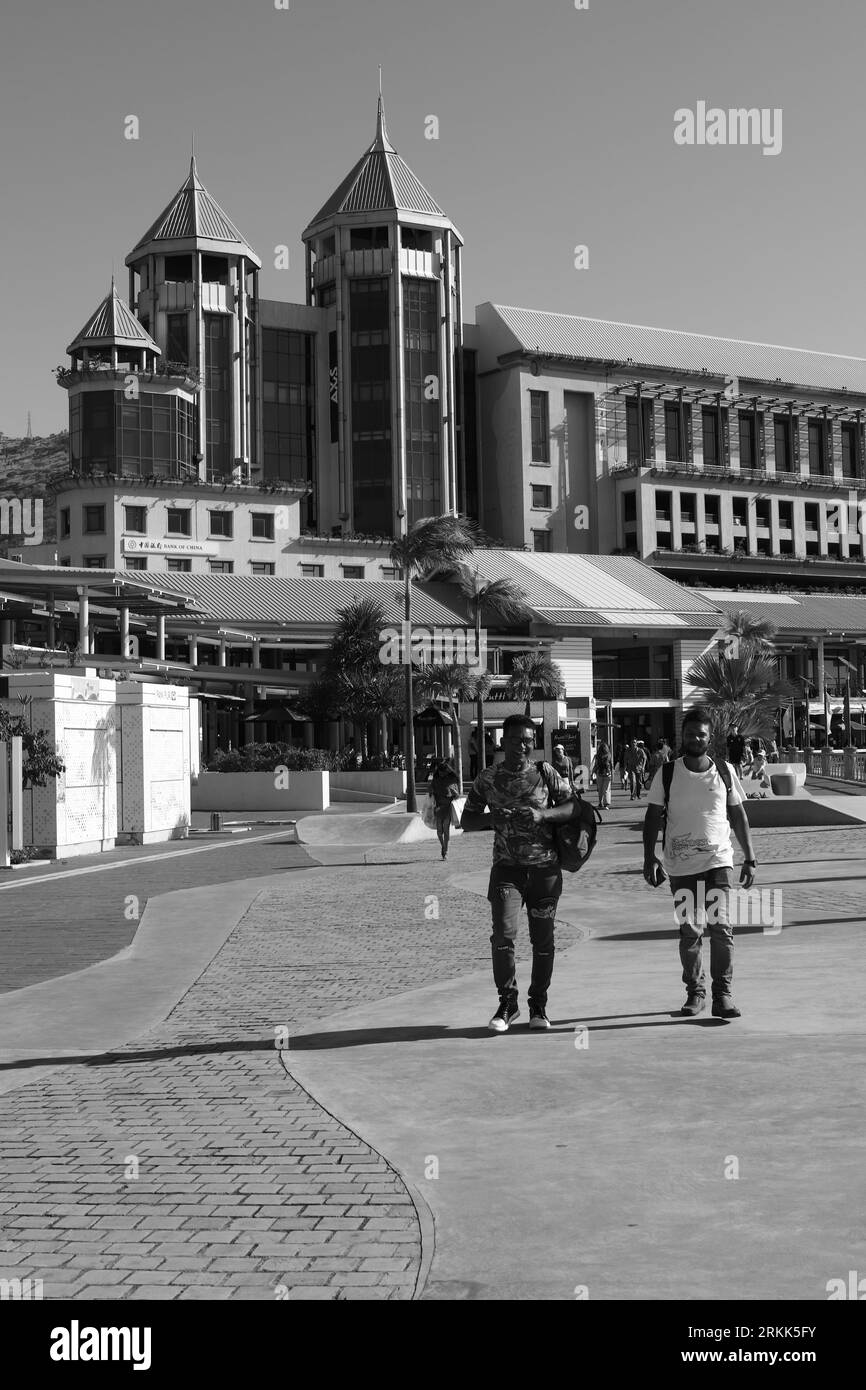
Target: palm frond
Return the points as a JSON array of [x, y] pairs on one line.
[[432, 542]]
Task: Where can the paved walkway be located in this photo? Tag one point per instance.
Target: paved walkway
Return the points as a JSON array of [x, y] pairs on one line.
[[314, 1102]]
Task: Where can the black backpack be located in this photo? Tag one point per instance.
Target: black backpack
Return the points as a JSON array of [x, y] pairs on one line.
[[566, 837], [668, 777], [602, 763]]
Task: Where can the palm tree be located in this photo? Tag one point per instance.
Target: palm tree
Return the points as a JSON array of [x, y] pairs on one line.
[[743, 692], [354, 684], [532, 672], [758, 632], [432, 542], [502, 599], [357, 636], [365, 694], [454, 682]]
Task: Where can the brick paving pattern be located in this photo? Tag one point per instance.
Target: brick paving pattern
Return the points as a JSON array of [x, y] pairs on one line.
[[245, 1186], [188, 1164]]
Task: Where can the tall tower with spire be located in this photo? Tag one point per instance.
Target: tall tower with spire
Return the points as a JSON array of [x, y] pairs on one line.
[[193, 282], [384, 261]]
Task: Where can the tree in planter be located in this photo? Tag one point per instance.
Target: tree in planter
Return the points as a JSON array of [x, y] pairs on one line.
[[355, 684], [431, 544], [531, 672], [40, 759]]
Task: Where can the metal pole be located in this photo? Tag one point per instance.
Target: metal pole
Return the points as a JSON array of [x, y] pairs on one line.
[[4, 806], [411, 797], [17, 792]]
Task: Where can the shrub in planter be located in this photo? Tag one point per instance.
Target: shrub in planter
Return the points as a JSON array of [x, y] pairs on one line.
[[267, 757], [23, 856]]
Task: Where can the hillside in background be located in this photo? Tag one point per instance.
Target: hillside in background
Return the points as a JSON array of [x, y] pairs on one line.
[[26, 466]]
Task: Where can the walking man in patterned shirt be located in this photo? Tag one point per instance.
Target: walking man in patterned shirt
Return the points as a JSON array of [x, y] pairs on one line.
[[521, 805]]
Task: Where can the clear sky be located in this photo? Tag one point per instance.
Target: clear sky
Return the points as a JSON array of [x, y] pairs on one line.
[[556, 129]]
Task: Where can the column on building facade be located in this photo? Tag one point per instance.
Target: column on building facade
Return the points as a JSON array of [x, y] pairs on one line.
[[257, 656], [201, 413], [83, 621], [52, 620], [676, 520], [344, 370], [819, 673], [222, 652], [124, 630], [160, 637], [240, 321], [398, 388], [193, 649]]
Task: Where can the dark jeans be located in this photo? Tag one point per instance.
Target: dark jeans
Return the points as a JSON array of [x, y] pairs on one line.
[[706, 895], [539, 888]]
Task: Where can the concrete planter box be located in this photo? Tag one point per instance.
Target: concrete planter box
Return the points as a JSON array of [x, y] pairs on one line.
[[75, 813], [261, 791], [389, 783]]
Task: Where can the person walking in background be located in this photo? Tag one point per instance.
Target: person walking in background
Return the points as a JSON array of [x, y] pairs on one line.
[[444, 789], [525, 800], [619, 761], [635, 763], [563, 764], [736, 747], [473, 754], [602, 770]]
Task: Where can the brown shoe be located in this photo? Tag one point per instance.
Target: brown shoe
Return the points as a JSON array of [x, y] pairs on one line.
[[695, 1004], [724, 1007]]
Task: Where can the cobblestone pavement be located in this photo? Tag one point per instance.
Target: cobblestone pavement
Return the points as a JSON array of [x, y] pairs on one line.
[[188, 1164]]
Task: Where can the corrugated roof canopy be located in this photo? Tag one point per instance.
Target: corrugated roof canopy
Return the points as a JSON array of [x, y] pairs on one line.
[[567, 336], [818, 614]]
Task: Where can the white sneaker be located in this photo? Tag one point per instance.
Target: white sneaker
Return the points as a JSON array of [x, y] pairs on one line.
[[504, 1016], [538, 1019]]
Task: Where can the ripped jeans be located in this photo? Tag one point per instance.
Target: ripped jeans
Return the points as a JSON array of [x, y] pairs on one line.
[[539, 888]]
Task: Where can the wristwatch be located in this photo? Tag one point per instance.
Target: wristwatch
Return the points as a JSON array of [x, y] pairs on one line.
[[753, 863]]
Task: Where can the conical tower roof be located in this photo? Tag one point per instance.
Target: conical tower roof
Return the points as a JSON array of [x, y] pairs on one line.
[[193, 220], [381, 181], [113, 325]]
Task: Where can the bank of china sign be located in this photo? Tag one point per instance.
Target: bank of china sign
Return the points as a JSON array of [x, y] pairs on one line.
[[143, 545]]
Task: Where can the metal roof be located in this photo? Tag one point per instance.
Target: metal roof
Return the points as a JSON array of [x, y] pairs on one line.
[[113, 324], [270, 600], [194, 216], [104, 586], [597, 590], [566, 336], [380, 181], [821, 614]]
